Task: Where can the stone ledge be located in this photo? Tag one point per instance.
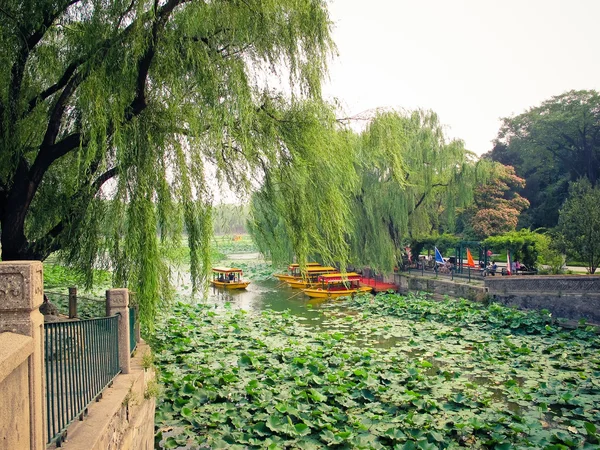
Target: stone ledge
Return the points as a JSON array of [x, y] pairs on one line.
[[119, 420], [518, 293], [14, 349]]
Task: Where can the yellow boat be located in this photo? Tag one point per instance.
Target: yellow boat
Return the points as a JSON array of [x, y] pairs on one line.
[[293, 271], [228, 278], [311, 277], [333, 285]]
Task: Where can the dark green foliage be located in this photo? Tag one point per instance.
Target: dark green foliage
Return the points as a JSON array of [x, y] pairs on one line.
[[525, 245], [551, 145], [579, 223]]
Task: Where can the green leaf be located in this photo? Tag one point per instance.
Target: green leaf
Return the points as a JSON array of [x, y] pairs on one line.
[[317, 396], [302, 429], [170, 443], [590, 428], [396, 434]]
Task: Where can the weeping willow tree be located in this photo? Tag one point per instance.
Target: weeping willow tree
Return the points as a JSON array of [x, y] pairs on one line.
[[304, 207], [110, 112], [412, 182], [401, 179]]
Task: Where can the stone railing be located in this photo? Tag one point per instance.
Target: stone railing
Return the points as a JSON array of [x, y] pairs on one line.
[[124, 419], [22, 396]]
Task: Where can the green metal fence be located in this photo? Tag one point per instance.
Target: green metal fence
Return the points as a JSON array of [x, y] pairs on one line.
[[87, 307], [82, 358], [132, 333]]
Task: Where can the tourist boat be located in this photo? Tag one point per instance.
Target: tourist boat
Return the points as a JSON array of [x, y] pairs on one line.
[[333, 285], [310, 277], [228, 278], [293, 271]]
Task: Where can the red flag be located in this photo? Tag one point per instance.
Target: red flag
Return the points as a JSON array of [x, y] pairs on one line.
[[470, 262]]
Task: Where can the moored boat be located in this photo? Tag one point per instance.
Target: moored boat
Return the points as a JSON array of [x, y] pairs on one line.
[[228, 278], [293, 271], [333, 285], [310, 277]]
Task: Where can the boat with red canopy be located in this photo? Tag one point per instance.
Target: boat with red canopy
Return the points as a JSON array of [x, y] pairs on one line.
[[333, 285], [294, 272]]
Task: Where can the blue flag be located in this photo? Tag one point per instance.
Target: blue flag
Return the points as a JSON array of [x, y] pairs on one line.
[[438, 256]]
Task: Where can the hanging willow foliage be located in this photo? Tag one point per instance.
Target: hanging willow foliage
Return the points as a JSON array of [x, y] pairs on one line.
[[111, 110], [401, 179], [304, 206], [413, 180]]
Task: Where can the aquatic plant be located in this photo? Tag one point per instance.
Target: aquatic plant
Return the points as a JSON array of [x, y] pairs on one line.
[[378, 372]]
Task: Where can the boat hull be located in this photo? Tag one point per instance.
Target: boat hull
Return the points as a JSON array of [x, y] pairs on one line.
[[283, 276], [335, 293], [299, 284], [230, 285]]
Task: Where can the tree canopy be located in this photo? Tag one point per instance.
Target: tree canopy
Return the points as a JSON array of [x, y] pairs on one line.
[[412, 179], [551, 145], [111, 110], [496, 204], [579, 223]]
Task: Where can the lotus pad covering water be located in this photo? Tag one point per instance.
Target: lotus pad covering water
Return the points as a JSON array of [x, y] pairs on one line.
[[390, 372]]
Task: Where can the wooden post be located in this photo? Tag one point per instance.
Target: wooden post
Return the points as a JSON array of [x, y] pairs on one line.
[[72, 302]]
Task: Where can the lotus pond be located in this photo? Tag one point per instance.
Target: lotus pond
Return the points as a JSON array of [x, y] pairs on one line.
[[375, 372]]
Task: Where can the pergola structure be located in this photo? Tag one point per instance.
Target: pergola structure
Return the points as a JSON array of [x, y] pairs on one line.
[[479, 252]]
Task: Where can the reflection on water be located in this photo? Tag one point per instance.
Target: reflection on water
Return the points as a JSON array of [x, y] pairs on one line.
[[266, 294], [277, 296]]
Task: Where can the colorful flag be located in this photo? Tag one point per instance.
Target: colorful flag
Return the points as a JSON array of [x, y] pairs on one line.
[[508, 262], [438, 256], [470, 261]]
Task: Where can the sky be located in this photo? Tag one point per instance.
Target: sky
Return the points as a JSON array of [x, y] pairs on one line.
[[471, 61]]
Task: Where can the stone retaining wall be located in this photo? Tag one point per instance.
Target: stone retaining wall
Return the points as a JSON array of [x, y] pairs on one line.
[[441, 287], [572, 297]]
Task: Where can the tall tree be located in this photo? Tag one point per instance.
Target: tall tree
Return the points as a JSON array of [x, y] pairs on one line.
[[579, 223], [412, 181], [550, 145], [142, 93]]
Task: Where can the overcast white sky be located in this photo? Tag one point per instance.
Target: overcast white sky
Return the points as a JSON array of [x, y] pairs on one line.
[[471, 61]]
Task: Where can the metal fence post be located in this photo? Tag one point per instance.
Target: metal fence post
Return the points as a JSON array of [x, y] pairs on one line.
[[117, 302], [21, 294], [72, 302]]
